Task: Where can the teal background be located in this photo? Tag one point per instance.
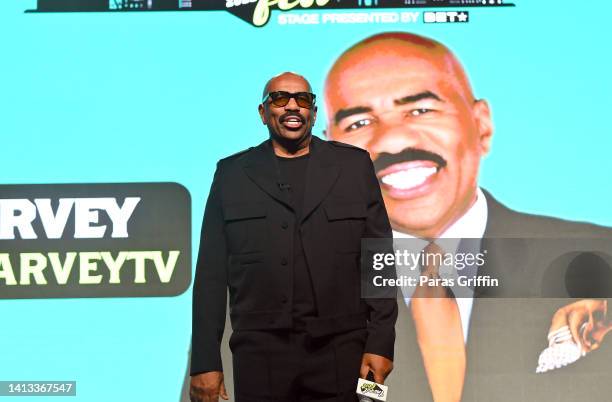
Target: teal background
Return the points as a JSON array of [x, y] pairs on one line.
[[161, 96]]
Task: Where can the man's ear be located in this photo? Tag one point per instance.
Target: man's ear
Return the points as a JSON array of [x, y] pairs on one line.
[[262, 113], [484, 124]]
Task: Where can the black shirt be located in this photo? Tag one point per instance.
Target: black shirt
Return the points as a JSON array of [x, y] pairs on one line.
[[293, 173]]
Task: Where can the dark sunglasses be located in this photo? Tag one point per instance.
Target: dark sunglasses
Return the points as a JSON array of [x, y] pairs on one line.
[[281, 98]]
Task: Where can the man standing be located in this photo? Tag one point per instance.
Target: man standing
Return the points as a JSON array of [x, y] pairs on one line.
[[426, 133], [282, 231]]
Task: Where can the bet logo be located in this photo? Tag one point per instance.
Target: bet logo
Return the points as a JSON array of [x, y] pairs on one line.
[[430, 17]]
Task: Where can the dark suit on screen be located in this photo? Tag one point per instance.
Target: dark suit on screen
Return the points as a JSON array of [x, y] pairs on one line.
[[508, 332]]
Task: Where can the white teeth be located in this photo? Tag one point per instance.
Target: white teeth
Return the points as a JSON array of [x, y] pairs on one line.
[[409, 178], [293, 123]]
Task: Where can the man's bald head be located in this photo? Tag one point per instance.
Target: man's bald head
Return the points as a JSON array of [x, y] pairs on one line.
[[393, 45], [289, 124], [283, 76]]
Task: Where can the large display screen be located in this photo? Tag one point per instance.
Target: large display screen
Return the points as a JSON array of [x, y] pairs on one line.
[[115, 113]]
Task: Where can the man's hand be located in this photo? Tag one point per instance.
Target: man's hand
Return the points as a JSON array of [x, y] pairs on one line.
[[207, 387], [380, 366], [593, 313]]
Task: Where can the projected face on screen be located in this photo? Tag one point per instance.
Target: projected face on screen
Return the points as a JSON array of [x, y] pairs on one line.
[[419, 121]]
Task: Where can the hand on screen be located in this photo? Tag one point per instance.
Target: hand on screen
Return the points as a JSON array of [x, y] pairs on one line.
[[207, 387], [587, 321], [379, 366]]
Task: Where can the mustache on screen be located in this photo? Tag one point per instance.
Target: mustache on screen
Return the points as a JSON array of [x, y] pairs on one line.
[[386, 159]]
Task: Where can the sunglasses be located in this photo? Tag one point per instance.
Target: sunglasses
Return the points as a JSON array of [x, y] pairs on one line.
[[282, 98]]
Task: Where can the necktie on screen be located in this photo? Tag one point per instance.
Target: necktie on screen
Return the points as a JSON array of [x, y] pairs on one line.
[[439, 332]]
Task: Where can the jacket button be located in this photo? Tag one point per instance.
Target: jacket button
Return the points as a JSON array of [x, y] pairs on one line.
[[284, 225], [283, 261], [283, 299]]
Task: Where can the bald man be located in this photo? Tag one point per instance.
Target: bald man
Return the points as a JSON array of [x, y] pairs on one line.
[[282, 231], [407, 100]]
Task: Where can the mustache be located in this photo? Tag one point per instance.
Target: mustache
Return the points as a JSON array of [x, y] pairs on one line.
[[385, 159], [292, 114]]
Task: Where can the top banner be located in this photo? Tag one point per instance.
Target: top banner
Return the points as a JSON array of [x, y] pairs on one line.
[[116, 112], [258, 12]]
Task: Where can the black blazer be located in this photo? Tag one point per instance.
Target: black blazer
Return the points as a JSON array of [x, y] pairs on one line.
[[247, 240], [506, 335]]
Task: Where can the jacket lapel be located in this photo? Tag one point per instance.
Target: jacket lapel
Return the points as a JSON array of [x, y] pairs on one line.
[[506, 253], [493, 341], [261, 166], [321, 174]]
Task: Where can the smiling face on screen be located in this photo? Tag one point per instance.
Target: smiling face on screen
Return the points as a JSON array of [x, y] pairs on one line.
[[407, 100]]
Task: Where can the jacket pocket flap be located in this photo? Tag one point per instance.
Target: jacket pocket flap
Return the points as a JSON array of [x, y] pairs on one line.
[[247, 258], [345, 211], [244, 211]]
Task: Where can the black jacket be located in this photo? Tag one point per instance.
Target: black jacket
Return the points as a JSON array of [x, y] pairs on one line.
[[247, 240]]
